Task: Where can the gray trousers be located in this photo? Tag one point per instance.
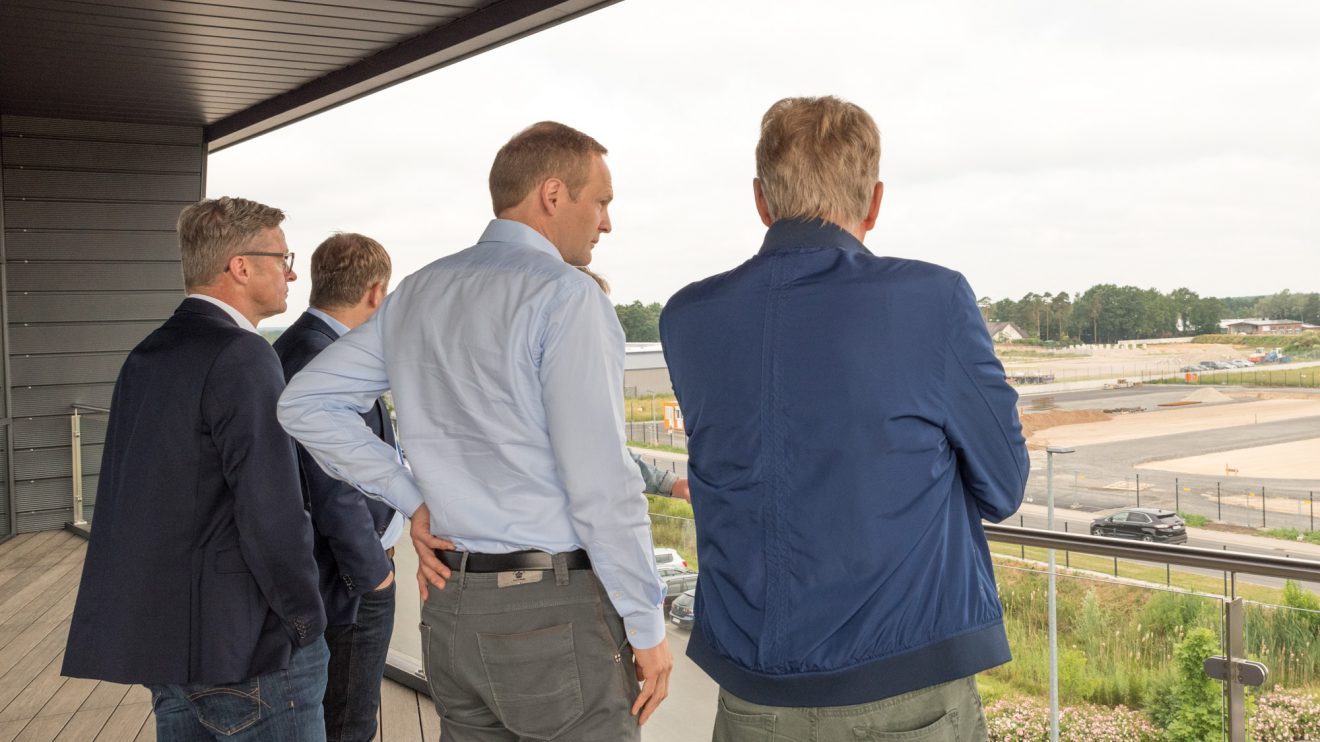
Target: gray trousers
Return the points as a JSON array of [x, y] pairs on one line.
[[544, 657], [949, 712]]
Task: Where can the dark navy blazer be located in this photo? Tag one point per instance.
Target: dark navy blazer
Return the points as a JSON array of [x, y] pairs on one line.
[[348, 523], [199, 568]]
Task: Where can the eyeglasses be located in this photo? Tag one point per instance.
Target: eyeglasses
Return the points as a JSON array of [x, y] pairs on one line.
[[287, 257]]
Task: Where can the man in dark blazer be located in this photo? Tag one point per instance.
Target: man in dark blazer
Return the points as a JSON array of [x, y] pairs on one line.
[[199, 580], [355, 535]]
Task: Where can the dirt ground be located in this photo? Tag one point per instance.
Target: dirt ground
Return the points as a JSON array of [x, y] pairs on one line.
[[1038, 421], [1188, 419], [1116, 361], [1295, 460]]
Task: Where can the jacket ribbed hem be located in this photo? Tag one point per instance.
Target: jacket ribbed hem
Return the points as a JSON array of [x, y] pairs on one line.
[[939, 662]]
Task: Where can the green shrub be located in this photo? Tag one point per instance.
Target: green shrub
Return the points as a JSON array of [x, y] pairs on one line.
[[1198, 698]]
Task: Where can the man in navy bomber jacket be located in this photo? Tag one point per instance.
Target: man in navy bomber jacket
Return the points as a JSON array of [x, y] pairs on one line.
[[849, 428]]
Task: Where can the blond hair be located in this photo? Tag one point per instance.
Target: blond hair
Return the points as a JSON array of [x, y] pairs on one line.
[[344, 266], [818, 158], [539, 152], [216, 229], [598, 278]]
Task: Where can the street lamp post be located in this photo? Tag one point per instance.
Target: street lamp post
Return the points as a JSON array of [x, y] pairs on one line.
[[1053, 618]]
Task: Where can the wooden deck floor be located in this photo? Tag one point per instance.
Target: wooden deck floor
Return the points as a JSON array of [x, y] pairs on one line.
[[39, 575]]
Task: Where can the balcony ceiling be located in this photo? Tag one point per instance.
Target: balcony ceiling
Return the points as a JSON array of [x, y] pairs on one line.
[[241, 67]]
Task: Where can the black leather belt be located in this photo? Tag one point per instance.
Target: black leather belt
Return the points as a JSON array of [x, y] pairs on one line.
[[511, 562]]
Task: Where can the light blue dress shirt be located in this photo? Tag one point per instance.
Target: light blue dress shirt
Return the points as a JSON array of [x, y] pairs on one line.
[[506, 366], [395, 529]]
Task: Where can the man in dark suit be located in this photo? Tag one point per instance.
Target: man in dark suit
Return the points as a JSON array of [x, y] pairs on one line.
[[355, 535], [199, 580]]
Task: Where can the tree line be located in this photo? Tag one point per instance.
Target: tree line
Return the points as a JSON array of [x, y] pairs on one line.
[[1104, 313], [1107, 313]]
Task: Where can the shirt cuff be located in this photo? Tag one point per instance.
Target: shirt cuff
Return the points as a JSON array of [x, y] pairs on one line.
[[647, 630], [404, 494], [666, 486]]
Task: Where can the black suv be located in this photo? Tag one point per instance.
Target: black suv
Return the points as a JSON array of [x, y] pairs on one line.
[[1143, 524]]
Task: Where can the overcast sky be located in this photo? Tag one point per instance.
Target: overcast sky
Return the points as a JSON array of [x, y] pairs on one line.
[[1034, 145]]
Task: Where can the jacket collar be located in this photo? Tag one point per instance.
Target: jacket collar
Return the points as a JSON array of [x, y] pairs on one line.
[[310, 322], [325, 323], [808, 234]]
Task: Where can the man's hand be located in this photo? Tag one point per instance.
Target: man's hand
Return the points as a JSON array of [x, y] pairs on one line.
[[389, 580], [653, 668], [680, 490], [429, 567]]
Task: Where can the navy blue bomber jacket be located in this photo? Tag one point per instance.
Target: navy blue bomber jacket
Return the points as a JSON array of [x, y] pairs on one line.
[[849, 428]]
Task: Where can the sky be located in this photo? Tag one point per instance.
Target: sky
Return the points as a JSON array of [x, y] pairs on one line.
[[1033, 145]]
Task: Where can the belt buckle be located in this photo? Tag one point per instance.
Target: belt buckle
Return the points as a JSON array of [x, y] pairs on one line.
[[516, 577]]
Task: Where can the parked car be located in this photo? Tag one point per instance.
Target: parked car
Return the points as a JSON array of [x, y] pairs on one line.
[[678, 581], [669, 558], [1143, 524], [683, 612], [1192, 369], [1207, 365]]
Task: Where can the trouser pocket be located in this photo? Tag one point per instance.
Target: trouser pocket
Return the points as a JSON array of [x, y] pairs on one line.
[[534, 680], [227, 709]]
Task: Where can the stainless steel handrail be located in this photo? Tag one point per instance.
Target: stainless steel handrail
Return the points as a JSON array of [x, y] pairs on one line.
[[75, 453], [1184, 556]]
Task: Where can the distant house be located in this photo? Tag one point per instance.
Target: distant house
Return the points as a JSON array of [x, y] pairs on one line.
[[644, 370], [1264, 327], [1004, 332]]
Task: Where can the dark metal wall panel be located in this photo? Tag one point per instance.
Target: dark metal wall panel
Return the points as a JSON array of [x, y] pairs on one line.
[[38, 432], [70, 276], [29, 308], [69, 185], [68, 338], [106, 131], [99, 217], [50, 463], [35, 401], [93, 246], [89, 154], [85, 368], [91, 266]]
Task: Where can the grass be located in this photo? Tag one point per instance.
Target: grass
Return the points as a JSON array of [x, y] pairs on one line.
[[1193, 521], [647, 408], [1268, 377], [1144, 572], [1292, 534], [657, 447]]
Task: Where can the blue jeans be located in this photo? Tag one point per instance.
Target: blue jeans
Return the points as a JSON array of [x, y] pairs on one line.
[[357, 663], [282, 706]]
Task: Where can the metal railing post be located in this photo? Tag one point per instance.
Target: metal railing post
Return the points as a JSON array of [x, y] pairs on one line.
[[1052, 593], [1235, 627], [75, 447]]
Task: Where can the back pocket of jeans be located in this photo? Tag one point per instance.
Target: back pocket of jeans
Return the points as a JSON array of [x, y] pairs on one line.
[[534, 680], [944, 729], [227, 709]]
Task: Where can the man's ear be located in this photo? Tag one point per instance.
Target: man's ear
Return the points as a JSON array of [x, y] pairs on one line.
[[762, 207], [376, 294], [873, 211], [240, 268], [552, 192]]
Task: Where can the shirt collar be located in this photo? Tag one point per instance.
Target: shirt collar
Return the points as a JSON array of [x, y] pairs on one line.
[[339, 327], [507, 230], [808, 234], [234, 314]]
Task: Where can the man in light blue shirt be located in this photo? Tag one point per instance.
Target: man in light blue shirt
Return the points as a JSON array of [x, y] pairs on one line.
[[506, 365]]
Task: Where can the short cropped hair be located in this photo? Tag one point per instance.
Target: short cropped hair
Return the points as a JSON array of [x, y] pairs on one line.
[[214, 230], [818, 158], [344, 266], [539, 152]]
